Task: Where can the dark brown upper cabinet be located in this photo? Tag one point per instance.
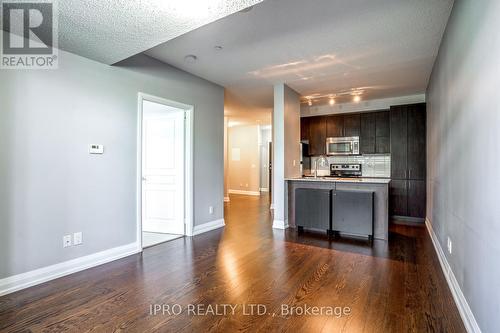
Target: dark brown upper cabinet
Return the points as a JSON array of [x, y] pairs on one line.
[[317, 135], [304, 129], [334, 126], [416, 142], [352, 125], [382, 132], [399, 142], [343, 125], [375, 133], [367, 138]]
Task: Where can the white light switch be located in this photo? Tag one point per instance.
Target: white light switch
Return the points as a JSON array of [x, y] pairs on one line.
[[96, 149], [77, 238]]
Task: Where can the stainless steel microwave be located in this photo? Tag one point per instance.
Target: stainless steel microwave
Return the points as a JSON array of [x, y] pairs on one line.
[[342, 146]]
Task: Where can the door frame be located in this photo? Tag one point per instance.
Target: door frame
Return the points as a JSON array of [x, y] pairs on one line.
[[188, 161]]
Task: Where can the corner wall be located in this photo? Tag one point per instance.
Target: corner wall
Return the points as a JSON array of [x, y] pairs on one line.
[[286, 149], [463, 154]]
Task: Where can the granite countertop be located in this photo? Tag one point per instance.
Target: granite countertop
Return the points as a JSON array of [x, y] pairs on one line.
[[342, 180]]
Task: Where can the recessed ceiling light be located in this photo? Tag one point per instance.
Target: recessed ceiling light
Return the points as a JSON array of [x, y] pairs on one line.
[[332, 101], [190, 58], [309, 102], [218, 47], [357, 99]]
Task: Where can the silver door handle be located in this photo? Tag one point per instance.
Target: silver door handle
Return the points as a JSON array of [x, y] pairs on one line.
[[144, 179]]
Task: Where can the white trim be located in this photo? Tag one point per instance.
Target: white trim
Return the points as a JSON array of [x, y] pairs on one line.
[[226, 199], [255, 193], [460, 300], [202, 228], [271, 207], [189, 169], [280, 224], [25, 280], [264, 189]]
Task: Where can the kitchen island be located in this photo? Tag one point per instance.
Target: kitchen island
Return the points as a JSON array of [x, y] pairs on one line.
[[379, 187]]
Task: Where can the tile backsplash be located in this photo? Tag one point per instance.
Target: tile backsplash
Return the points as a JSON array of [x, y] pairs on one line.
[[372, 165]]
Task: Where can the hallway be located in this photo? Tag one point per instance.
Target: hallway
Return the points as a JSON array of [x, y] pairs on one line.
[[390, 287]]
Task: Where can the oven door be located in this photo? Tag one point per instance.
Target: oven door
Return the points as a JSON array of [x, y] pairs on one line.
[[335, 146]]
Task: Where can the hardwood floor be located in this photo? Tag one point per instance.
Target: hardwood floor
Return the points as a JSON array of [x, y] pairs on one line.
[[391, 287]]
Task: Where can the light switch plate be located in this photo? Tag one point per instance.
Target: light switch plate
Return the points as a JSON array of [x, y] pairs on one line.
[[96, 149], [77, 238]]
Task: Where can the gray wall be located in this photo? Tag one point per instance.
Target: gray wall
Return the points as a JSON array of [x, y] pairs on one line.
[[464, 153], [286, 145], [51, 186]]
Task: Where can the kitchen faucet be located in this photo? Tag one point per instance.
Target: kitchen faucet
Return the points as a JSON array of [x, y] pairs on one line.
[[320, 159]]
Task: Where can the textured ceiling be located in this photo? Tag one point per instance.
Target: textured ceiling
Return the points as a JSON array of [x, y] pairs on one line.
[[377, 48], [112, 30]]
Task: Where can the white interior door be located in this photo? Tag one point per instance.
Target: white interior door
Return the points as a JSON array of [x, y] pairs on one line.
[[163, 145]]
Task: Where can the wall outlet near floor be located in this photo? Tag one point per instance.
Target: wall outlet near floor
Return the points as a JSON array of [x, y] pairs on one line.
[[450, 246], [77, 238], [211, 210], [66, 240]]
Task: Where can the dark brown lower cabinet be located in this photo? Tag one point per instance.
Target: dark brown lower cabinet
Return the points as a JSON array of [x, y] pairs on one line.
[[416, 198], [398, 197], [407, 198]]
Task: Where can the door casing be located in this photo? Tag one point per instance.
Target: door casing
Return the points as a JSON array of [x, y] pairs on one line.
[[188, 162]]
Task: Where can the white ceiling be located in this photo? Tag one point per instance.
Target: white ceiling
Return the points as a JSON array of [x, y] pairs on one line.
[[112, 30], [381, 48]]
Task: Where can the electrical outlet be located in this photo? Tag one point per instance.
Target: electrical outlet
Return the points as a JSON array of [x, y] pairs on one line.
[[294, 162], [66, 240], [77, 238], [450, 245], [211, 210]]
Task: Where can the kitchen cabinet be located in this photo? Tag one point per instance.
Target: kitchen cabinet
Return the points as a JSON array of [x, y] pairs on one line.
[[312, 208], [398, 197], [382, 132], [367, 139], [416, 198], [399, 142], [317, 136], [416, 142], [304, 129], [375, 133], [352, 212], [343, 125], [408, 161], [334, 126], [351, 125]]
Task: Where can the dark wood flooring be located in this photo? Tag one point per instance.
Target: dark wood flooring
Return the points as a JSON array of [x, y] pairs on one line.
[[391, 287]]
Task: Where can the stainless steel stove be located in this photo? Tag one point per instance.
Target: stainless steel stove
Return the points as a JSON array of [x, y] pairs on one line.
[[345, 170]]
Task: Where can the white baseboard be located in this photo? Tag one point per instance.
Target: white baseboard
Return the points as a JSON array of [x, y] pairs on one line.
[[255, 193], [226, 199], [280, 224], [463, 307], [264, 189], [25, 280], [199, 229]]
